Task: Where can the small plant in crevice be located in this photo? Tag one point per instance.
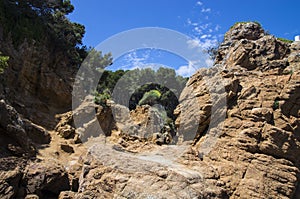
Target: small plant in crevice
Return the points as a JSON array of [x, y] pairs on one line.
[[285, 40], [3, 62], [276, 104]]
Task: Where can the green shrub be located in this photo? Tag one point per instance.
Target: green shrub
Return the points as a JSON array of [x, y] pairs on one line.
[[101, 98], [285, 40], [244, 22], [3, 62], [150, 97]]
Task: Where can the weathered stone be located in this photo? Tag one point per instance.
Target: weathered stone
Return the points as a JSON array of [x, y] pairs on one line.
[[12, 131], [36, 133], [42, 179], [238, 127], [67, 148], [10, 183], [66, 195], [32, 196]]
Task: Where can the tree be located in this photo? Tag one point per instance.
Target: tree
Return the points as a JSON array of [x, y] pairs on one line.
[[44, 22], [150, 97]]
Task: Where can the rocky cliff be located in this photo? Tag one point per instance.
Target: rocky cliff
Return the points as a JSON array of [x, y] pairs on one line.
[[38, 81], [238, 136]]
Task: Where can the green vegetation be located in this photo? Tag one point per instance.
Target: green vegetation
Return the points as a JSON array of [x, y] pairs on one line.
[[276, 104], [96, 61], [151, 97], [285, 40], [152, 94], [44, 23], [131, 87], [101, 98], [3, 62], [244, 22], [126, 85]]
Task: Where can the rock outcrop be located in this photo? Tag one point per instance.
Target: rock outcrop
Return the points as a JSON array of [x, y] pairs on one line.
[[20, 141], [255, 155], [38, 81], [19, 136], [242, 117], [238, 130]]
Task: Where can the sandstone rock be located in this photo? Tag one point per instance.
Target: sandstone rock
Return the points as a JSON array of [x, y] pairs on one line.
[[32, 196], [36, 133], [249, 31], [66, 195], [123, 175], [87, 120], [67, 148], [255, 142], [147, 119], [251, 48], [39, 80], [65, 127], [45, 179], [10, 183], [12, 132], [238, 126]]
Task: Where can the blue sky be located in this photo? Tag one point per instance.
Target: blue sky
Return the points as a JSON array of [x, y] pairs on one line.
[[204, 22]]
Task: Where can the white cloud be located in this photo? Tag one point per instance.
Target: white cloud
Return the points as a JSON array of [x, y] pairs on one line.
[[198, 30], [217, 28], [205, 10], [199, 3], [189, 22], [134, 60], [193, 66], [205, 26], [194, 43], [205, 36], [208, 43], [186, 70], [204, 42]]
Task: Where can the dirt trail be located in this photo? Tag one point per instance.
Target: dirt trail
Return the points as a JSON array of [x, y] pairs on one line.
[[54, 152]]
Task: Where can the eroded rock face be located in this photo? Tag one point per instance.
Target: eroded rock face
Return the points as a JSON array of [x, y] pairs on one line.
[[257, 148], [92, 120], [18, 135], [87, 120], [247, 45], [20, 140], [38, 81], [45, 180], [238, 125]]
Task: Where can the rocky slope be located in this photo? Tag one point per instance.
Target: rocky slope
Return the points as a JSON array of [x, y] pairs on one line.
[[238, 136], [38, 81]]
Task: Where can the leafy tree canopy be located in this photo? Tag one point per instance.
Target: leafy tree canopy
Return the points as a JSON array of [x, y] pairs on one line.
[[149, 93], [45, 22]]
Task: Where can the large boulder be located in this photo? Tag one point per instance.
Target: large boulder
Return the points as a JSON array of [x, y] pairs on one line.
[[249, 46], [14, 140], [45, 179], [87, 120]]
